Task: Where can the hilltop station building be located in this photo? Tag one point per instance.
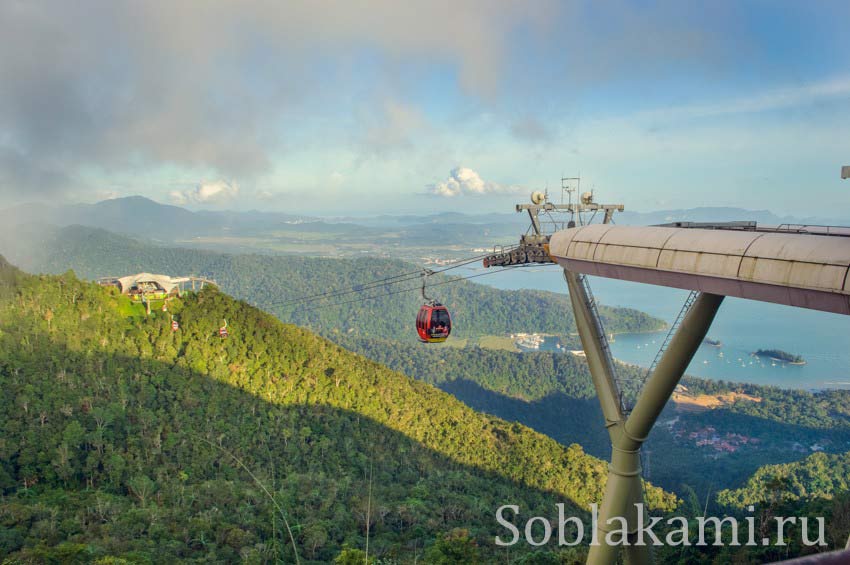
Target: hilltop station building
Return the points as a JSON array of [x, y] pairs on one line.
[[148, 286]]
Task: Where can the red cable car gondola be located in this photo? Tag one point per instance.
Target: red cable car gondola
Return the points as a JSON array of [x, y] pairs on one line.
[[433, 324]]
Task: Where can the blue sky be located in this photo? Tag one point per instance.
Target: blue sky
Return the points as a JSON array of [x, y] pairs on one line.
[[335, 108]]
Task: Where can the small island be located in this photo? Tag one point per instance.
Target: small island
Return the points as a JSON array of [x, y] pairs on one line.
[[779, 355], [712, 342]]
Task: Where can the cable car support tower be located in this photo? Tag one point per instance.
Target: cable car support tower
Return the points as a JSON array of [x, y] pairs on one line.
[[628, 427], [802, 266]]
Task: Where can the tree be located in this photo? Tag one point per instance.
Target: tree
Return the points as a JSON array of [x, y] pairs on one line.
[[142, 488], [453, 547], [315, 536], [351, 556]]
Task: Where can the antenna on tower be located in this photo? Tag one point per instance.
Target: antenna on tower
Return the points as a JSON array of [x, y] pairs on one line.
[[534, 245], [570, 185]]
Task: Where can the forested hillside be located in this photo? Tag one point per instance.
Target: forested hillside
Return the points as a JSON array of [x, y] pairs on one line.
[[529, 376], [817, 487], [821, 409], [820, 475], [273, 281], [553, 393], [121, 437]]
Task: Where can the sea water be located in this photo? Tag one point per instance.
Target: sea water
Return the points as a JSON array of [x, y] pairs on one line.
[[742, 326]]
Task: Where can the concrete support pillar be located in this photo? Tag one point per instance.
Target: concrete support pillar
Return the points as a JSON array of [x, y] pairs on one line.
[[624, 488]]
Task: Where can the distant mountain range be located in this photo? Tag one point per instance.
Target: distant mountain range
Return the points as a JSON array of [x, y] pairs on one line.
[[720, 214], [140, 216], [701, 214]]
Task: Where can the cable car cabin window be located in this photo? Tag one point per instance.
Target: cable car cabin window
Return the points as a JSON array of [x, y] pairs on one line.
[[440, 319]]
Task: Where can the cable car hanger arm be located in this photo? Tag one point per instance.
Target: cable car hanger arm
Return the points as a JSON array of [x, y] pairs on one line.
[[425, 274]]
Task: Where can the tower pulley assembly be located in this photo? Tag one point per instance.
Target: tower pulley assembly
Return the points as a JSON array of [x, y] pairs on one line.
[[534, 245]]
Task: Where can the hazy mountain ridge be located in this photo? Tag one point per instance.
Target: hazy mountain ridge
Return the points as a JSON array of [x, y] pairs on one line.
[[629, 217], [144, 217]]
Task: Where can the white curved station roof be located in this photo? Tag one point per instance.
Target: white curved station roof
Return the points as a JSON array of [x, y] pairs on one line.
[[164, 281], [804, 270]]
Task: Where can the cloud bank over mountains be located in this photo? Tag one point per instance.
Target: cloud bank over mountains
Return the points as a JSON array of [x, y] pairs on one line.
[[207, 192], [465, 181]]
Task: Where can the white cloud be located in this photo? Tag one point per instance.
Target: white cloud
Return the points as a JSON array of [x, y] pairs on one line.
[[463, 180], [207, 192]]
